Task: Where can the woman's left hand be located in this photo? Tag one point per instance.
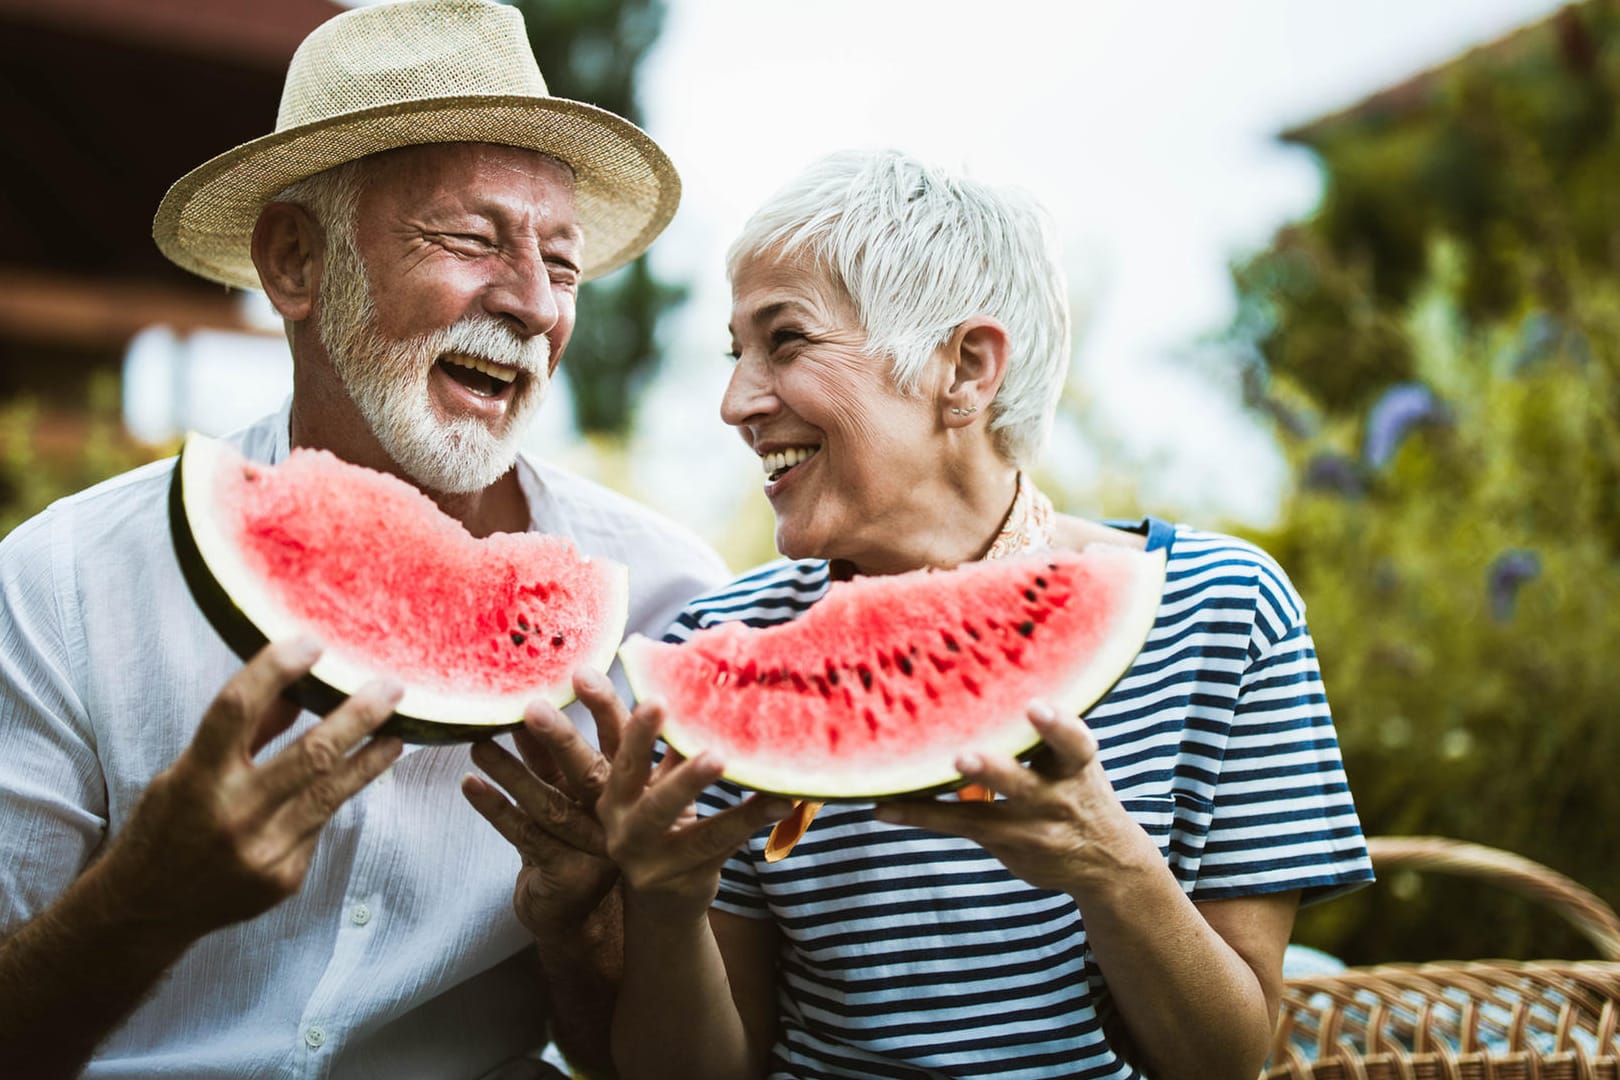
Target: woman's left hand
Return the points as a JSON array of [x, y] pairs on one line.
[[1060, 825]]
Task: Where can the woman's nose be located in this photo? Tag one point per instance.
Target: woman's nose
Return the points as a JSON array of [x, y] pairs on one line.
[[748, 395]]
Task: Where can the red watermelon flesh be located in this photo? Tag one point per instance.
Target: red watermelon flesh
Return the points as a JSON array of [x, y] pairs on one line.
[[879, 686], [474, 627]]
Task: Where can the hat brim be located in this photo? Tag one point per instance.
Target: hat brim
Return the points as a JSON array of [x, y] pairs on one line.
[[625, 188]]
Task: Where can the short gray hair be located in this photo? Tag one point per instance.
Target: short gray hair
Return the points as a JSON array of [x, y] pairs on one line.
[[332, 196], [920, 251]]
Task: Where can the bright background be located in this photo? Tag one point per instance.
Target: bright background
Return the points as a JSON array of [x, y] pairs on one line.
[[1147, 130]]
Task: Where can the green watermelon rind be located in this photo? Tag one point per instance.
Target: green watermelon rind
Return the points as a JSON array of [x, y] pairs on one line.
[[250, 618], [1011, 737]]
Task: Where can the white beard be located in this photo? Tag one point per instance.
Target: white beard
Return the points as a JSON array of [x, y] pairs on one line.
[[387, 380]]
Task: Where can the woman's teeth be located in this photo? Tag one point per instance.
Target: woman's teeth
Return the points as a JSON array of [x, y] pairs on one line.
[[778, 462]]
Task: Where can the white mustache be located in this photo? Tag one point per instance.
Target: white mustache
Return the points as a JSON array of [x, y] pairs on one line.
[[492, 340]]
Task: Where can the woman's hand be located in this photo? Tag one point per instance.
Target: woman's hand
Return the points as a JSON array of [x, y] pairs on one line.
[[1060, 825], [670, 858]]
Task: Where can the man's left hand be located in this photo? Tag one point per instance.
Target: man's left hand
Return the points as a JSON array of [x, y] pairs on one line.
[[566, 873]]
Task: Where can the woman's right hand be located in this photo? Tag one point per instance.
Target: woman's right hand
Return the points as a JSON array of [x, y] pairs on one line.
[[669, 857]]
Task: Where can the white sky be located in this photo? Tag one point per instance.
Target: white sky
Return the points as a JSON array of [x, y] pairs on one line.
[[1146, 129]]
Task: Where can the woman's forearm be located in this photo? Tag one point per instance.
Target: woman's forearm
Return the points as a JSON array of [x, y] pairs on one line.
[[1191, 1003], [675, 1015]]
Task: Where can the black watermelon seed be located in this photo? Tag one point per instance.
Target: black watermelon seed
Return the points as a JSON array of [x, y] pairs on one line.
[[1040, 582], [556, 641], [832, 676], [517, 638], [905, 665], [523, 624], [866, 676], [950, 643], [1029, 594], [1026, 628]]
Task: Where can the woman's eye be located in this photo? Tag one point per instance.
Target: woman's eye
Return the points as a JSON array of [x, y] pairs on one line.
[[785, 336]]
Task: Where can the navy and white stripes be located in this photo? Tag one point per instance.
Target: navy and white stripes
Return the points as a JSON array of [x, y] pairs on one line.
[[910, 954]]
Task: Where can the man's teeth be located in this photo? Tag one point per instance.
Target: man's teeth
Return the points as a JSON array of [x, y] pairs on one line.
[[778, 462], [478, 363]]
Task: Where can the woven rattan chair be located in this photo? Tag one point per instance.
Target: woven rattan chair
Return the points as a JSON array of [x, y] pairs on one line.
[[1462, 1020]]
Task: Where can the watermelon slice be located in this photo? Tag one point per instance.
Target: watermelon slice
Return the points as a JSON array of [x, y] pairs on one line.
[[876, 689], [474, 629]]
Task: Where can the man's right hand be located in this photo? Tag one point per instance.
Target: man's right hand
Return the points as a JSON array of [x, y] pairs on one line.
[[218, 838]]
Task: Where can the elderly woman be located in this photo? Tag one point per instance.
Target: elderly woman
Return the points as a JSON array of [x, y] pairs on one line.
[[1121, 907]]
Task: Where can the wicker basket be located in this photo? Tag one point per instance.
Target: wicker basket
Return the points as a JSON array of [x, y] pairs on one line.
[[1490, 1020]]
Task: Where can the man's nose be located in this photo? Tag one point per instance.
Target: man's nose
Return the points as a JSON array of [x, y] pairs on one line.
[[522, 295]]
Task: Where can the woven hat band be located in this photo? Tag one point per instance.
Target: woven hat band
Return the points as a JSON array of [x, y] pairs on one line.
[[395, 53]]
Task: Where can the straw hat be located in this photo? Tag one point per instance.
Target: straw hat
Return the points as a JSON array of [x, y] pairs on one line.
[[422, 71]]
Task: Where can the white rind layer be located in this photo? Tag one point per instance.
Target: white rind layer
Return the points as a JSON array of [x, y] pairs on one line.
[[1015, 737], [203, 460]]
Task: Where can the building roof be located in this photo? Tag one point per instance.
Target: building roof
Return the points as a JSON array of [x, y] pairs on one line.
[[104, 103]]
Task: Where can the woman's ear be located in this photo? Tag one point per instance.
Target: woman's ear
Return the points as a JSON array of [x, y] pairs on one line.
[[977, 353], [287, 249]]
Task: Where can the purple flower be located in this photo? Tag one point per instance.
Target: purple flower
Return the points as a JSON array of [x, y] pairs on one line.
[[1394, 415], [1335, 474], [1509, 571]]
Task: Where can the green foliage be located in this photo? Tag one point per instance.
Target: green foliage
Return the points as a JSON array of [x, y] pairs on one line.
[[46, 455], [589, 50], [1463, 592]]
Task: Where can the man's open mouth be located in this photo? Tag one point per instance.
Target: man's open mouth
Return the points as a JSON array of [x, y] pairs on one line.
[[483, 377]]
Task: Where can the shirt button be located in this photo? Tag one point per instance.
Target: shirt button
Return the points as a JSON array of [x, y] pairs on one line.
[[314, 1036], [360, 914]]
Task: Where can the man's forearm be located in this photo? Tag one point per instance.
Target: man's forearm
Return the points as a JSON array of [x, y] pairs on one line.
[[582, 973], [77, 970]]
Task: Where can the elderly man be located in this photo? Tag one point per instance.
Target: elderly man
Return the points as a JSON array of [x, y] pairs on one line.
[[197, 881]]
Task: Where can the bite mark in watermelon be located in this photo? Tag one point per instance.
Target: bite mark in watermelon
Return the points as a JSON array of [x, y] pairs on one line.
[[877, 688], [474, 629]]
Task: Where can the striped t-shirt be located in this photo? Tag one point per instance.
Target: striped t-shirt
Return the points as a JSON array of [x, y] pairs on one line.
[[907, 953]]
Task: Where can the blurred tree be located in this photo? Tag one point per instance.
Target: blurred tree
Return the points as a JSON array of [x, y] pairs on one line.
[[589, 50], [1439, 349], [46, 453]]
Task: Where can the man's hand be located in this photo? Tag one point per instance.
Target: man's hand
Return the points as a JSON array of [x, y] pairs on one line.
[[215, 839], [218, 838], [565, 894], [566, 872]]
